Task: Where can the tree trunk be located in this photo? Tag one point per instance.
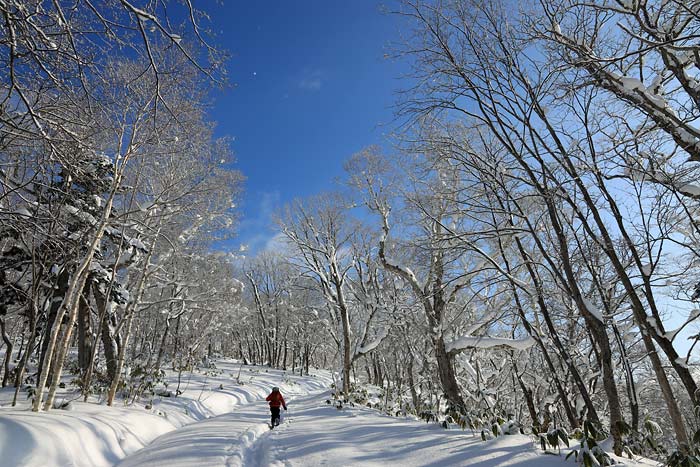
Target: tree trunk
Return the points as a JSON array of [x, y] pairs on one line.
[[284, 358], [130, 312], [629, 379], [109, 340], [528, 400], [667, 391], [33, 313], [446, 373], [69, 306], [307, 358], [345, 323], [8, 351], [56, 300], [19, 374], [84, 330], [346, 352], [616, 420], [163, 340], [412, 384]]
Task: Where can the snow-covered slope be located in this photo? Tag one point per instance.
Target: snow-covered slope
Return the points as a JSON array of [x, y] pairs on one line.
[[317, 434], [218, 421], [94, 435]]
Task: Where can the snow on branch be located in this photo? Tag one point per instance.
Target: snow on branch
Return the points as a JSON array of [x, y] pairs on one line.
[[374, 344], [475, 342]]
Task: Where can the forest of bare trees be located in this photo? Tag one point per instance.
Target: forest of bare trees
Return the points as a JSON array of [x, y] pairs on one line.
[[526, 254], [113, 187], [535, 228]]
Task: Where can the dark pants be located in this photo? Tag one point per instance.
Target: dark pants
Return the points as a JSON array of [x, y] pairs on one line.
[[275, 416]]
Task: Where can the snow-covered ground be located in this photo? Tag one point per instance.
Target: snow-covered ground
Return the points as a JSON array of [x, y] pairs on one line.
[[217, 422], [90, 434], [317, 434]]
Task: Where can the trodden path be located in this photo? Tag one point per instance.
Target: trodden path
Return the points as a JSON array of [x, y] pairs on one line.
[[316, 434], [227, 440], [238, 438]]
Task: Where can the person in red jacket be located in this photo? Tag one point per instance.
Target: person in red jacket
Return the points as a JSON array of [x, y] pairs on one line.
[[276, 400]]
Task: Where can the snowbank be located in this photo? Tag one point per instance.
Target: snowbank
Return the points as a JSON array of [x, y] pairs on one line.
[[90, 434]]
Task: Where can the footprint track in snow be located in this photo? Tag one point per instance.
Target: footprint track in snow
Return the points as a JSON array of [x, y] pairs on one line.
[[256, 447]]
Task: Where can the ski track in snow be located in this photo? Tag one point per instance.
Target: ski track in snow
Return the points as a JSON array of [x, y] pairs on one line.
[[92, 435], [236, 439], [316, 434]]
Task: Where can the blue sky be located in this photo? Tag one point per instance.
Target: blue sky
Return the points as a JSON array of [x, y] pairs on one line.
[[313, 86]]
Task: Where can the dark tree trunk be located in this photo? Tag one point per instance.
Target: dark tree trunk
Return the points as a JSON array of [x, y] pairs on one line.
[[21, 367], [284, 358], [447, 375], [528, 400], [307, 358], [84, 330], [163, 340], [629, 379], [56, 301], [8, 351], [109, 324], [412, 384]]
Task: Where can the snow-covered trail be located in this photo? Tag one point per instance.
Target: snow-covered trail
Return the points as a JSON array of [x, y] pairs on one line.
[[92, 435], [320, 435], [234, 439], [316, 434], [220, 441]]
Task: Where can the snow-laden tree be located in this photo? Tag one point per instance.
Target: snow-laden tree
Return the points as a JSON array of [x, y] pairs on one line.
[[437, 275], [328, 247], [285, 325], [540, 158], [642, 53], [107, 166]]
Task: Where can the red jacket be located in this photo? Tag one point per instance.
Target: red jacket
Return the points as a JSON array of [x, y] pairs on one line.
[[276, 399]]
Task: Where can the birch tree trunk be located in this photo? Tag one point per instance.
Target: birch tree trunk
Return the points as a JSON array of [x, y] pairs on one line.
[[70, 307], [130, 312]]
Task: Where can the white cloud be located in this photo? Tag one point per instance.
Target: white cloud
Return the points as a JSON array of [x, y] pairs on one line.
[[311, 79], [257, 228], [277, 243]]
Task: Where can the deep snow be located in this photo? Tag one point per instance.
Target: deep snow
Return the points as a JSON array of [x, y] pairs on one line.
[[317, 434], [91, 434], [210, 426]]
